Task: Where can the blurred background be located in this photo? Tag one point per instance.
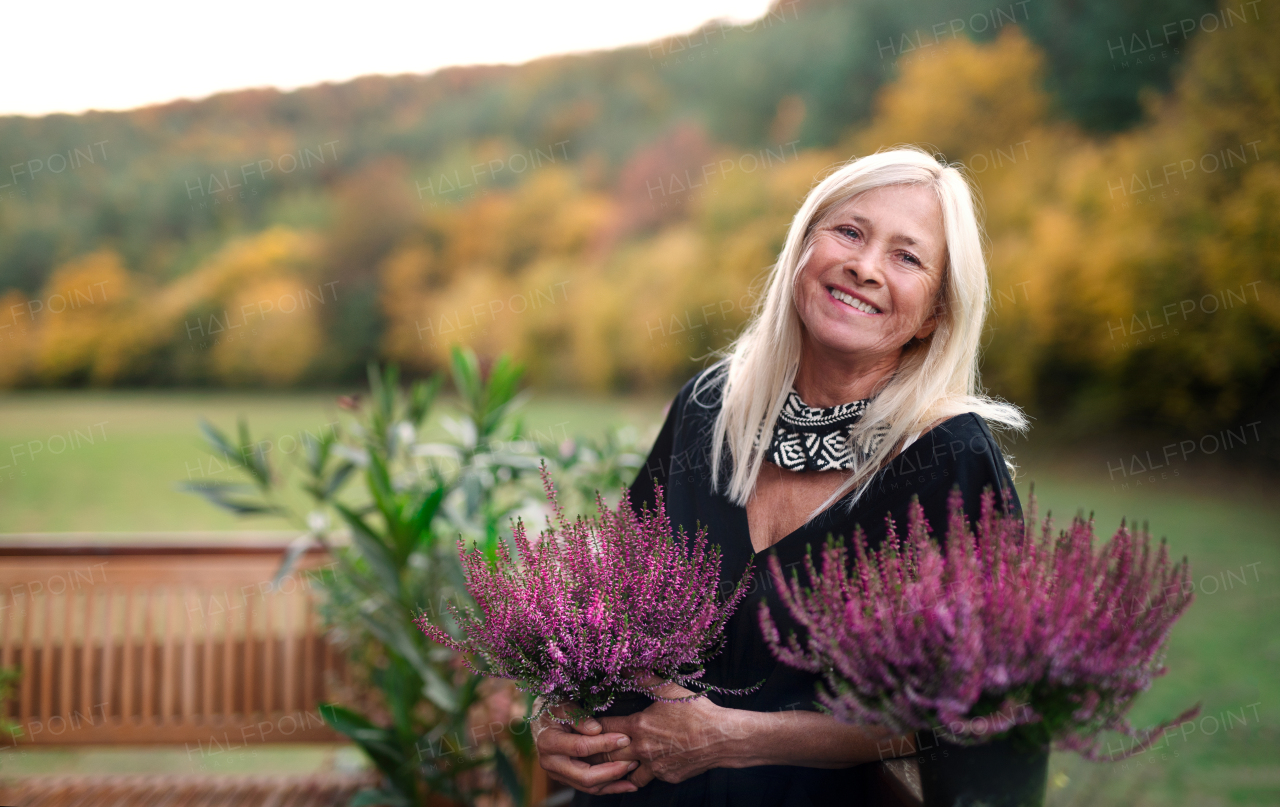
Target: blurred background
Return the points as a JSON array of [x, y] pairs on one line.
[[550, 248]]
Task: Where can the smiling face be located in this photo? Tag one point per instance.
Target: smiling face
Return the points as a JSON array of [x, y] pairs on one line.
[[871, 279]]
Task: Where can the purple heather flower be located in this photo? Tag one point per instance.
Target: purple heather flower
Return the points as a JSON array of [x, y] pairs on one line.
[[596, 607], [1057, 634]]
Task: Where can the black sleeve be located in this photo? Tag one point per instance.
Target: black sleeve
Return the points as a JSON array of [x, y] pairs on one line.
[[976, 464], [960, 452]]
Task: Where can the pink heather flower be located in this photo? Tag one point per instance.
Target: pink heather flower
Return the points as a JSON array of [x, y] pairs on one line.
[[1003, 629], [595, 608]]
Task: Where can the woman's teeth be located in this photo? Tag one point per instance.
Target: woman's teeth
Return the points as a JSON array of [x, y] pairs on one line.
[[853, 301]]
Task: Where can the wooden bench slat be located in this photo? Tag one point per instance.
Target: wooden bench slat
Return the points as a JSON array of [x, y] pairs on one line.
[[167, 673], [206, 699], [148, 656], [268, 654], [126, 661], [87, 654], [106, 694], [46, 659], [188, 660]]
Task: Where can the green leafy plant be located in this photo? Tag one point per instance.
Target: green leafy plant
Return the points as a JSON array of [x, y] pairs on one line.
[[399, 559]]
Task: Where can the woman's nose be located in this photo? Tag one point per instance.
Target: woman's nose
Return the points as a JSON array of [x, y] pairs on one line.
[[864, 269]]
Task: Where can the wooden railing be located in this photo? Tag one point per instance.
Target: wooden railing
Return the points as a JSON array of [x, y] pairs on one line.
[[164, 643]]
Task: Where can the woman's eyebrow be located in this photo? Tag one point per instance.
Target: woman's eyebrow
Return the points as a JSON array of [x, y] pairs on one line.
[[866, 222]]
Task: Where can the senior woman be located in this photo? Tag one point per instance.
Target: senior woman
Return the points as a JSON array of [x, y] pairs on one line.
[[853, 388]]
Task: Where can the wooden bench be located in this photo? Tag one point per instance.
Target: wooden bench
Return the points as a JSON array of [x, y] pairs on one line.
[[168, 642]]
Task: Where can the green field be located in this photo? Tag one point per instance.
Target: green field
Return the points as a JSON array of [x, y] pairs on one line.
[[1224, 653], [109, 462]]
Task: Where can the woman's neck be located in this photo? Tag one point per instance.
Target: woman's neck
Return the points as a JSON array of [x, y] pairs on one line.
[[825, 378]]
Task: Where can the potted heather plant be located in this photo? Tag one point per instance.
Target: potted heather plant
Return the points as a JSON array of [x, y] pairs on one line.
[[990, 650], [600, 612]]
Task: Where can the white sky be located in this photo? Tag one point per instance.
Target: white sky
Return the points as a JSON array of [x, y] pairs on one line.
[[80, 55]]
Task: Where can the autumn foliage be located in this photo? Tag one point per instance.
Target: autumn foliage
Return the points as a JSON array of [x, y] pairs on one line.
[[1134, 275]]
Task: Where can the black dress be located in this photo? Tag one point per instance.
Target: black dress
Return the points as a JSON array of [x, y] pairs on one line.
[[960, 451]]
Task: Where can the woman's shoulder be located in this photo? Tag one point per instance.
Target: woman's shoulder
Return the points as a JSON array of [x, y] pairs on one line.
[[961, 450], [699, 398], [969, 427], [704, 387], [676, 449]]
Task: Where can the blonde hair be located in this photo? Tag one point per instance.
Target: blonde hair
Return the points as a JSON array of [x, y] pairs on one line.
[[937, 377]]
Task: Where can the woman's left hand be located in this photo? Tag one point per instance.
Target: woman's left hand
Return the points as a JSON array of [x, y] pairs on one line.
[[675, 741]]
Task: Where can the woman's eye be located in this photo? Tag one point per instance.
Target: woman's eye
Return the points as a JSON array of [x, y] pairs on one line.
[[912, 259], [849, 231]]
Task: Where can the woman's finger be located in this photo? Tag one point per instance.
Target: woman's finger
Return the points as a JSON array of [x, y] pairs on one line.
[[626, 753], [570, 744], [641, 776], [619, 725], [620, 786], [588, 725], [582, 776]]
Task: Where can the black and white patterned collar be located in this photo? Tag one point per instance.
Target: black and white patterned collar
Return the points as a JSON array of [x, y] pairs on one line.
[[812, 438]]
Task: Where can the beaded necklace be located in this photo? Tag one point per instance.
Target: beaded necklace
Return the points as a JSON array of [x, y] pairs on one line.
[[812, 438]]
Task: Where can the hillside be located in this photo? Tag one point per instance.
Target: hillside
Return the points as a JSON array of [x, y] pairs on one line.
[[606, 216]]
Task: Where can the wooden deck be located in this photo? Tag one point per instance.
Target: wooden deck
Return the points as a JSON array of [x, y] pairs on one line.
[[317, 790]]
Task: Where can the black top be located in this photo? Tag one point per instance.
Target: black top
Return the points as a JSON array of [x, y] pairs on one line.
[[960, 451]]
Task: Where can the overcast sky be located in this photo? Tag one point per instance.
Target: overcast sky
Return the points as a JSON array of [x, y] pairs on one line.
[[79, 55]]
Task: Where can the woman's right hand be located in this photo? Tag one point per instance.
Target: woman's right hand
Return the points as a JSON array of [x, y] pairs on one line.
[[562, 747]]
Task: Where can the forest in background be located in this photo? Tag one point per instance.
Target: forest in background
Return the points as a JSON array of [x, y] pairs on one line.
[[607, 216]]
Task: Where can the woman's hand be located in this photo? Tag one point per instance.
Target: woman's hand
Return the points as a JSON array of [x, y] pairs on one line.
[[561, 748], [675, 741]]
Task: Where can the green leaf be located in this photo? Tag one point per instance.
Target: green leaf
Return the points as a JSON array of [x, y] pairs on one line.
[[316, 452], [438, 691], [219, 442], [255, 461], [420, 521], [340, 476], [379, 412], [380, 486], [503, 379], [390, 383], [373, 550], [509, 776], [393, 633], [297, 547], [236, 498], [377, 742], [399, 686], [466, 376], [500, 393], [382, 387]]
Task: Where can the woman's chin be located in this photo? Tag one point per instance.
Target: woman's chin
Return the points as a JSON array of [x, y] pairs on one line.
[[851, 344]]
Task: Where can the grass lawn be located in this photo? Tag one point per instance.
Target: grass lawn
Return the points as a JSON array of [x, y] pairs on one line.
[[266, 759], [1224, 653], [109, 461]]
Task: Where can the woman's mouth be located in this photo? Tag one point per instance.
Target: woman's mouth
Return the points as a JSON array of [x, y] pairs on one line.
[[852, 302]]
